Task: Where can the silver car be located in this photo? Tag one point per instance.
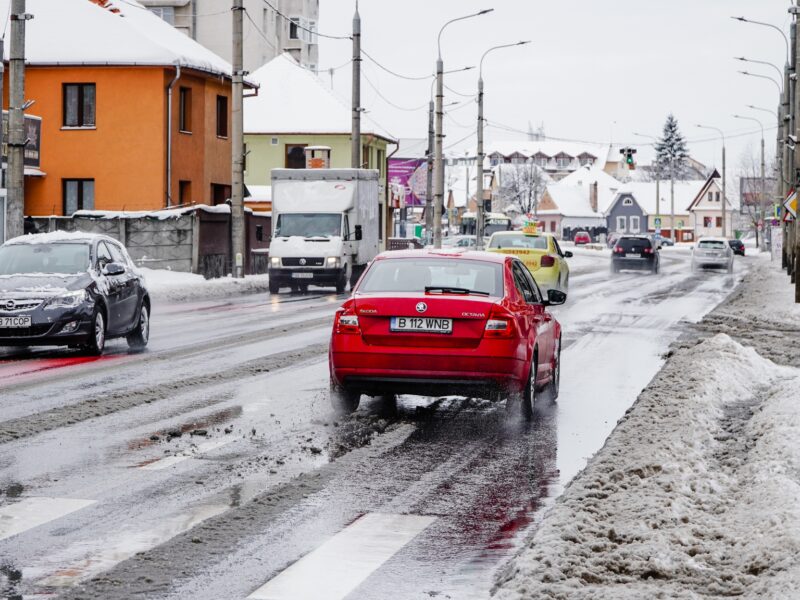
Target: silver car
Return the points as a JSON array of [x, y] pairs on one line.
[[712, 252]]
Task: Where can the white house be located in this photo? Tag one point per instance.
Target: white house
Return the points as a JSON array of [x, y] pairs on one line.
[[706, 209]]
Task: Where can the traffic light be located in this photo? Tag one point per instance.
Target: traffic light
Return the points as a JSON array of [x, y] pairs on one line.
[[628, 154]]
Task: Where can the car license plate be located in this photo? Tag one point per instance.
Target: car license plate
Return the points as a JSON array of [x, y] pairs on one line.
[[302, 276], [422, 324], [15, 322]]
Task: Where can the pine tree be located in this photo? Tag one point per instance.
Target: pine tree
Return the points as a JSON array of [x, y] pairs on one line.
[[671, 151]]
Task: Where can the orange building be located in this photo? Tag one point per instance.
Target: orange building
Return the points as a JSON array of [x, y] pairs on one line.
[[135, 115]]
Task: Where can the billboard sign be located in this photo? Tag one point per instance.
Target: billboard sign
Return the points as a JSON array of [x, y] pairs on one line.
[[33, 137], [408, 178]]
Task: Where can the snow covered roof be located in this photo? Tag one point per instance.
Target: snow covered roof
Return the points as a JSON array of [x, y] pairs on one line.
[[572, 200], [549, 148], [607, 186], [79, 32], [259, 193], [645, 194], [291, 99]]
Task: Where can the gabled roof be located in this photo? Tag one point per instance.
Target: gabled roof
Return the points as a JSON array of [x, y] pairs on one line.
[[548, 148], [607, 186], [572, 201], [703, 190], [291, 99], [644, 193], [79, 32]]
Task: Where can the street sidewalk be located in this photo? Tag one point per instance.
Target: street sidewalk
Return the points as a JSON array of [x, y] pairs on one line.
[[696, 493]]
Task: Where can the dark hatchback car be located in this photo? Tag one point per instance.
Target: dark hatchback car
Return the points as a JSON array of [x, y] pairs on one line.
[[737, 246], [637, 252], [71, 289]]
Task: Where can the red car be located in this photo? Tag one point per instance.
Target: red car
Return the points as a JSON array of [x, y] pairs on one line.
[[438, 323], [582, 238]]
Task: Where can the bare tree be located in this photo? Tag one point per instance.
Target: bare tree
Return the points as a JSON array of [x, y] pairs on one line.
[[754, 199], [523, 185]]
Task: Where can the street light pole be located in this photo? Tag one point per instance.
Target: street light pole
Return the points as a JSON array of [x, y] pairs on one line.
[[760, 216], [724, 197], [438, 166], [479, 226], [658, 184]]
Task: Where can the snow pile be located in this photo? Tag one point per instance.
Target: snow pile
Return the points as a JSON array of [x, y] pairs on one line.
[[695, 494], [178, 286], [56, 236]]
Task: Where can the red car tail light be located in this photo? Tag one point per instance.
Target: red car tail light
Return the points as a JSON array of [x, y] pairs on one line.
[[618, 249], [499, 325], [548, 261], [648, 250], [347, 323]]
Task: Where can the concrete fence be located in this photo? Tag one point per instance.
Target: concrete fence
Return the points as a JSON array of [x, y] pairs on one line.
[[195, 239]]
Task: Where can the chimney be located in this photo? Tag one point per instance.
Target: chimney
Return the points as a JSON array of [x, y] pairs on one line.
[[593, 196]]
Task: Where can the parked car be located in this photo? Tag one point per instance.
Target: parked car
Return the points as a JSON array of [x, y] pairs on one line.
[[737, 246], [71, 289], [582, 237], [612, 239], [540, 253], [662, 242], [637, 252], [712, 252], [465, 242], [434, 323]]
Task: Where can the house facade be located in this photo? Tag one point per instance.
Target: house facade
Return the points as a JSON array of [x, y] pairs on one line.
[[557, 159], [136, 117], [626, 215], [706, 210]]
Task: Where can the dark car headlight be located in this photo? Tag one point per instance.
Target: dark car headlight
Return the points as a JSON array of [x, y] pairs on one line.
[[70, 300]]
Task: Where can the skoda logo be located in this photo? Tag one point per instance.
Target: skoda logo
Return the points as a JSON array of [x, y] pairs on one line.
[[10, 305], [302, 262], [421, 307]]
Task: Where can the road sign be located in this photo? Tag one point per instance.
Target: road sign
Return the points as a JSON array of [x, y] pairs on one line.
[[791, 203], [658, 221]]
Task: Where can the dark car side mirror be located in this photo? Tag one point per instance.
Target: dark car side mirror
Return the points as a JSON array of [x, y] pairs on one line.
[[113, 269], [358, 234], [567, 254], [555, 297]]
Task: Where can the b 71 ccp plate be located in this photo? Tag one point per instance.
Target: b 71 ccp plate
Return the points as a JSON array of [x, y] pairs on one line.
[[15, 322]]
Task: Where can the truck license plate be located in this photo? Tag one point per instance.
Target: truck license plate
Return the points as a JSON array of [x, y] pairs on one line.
[[422, 324], [302, 276], [15, 322]]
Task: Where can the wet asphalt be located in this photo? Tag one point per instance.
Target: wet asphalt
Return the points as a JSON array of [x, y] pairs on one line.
[[211, 462]]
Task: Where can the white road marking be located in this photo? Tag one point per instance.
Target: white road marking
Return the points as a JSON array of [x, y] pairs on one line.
[[342, 563], [179, 458], [32, 512]]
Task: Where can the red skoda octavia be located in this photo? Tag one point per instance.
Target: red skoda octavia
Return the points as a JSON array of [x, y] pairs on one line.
[[439, 323]]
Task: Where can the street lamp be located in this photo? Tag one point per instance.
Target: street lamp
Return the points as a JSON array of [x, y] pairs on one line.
[[771, 26], [766, 110], [760, 62], [438, 165], [724, 197], [760, 212], [479, 204], [778, 85], [658, 191]]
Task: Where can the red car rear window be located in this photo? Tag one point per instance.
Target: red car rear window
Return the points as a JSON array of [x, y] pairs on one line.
[[415, 274]]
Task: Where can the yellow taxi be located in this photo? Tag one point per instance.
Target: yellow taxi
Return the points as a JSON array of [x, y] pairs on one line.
[[539, 251]]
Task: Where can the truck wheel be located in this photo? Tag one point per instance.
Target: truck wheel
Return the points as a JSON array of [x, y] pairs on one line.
[[274, 287], [355, 274], [341, 284]]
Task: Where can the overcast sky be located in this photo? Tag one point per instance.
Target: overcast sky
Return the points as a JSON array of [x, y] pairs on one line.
[[597, 70]]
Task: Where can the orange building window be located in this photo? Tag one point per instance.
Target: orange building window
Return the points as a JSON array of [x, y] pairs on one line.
[[79, 104], [222, 116], [185, 192], [78, 195], [185, 114]]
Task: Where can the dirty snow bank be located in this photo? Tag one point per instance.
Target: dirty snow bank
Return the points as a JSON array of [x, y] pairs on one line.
[[177, 286], [695, 494]]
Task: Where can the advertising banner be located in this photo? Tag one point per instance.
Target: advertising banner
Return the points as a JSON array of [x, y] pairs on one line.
[[407, 180], [33, 137]]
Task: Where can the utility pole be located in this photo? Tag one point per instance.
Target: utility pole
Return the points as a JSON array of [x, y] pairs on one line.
[[438, 162], [724, 197], [795, 58], [355, 135], [479, 216], [237, 144], [429, 183], [15, 224], [672, 236]]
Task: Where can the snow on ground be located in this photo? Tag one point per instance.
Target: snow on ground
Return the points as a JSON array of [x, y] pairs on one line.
[[177, 286], [697, 491]]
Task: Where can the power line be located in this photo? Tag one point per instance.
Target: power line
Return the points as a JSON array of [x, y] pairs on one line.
[[299, 26], [258, 29], [389, 102], [459, 93], [388, 70], [464, 139], [210, 14]]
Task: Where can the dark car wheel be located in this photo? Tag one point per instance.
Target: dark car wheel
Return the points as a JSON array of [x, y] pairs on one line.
[[520, 404], [138, 338], [344, 401], [97, 339]]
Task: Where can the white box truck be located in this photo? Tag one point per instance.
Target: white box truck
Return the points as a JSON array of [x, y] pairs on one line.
[[325, 227]]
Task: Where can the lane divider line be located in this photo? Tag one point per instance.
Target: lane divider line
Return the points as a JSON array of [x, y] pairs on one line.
[[31, 512], [170, 461], [342, 563]]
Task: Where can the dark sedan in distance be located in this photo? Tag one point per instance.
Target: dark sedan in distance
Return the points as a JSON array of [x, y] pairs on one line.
[[71, 289]]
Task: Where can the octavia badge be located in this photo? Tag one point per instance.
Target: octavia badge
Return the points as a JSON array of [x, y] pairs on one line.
[[421, 307], [302, 262]]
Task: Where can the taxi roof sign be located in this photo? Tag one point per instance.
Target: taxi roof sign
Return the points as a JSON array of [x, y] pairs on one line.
[[530, 229]]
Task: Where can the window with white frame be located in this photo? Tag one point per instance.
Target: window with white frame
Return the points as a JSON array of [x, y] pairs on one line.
[[562, 162], [621, 223], [540, 161], [635, 224], [294, 28], [166, 13], [627, 202]]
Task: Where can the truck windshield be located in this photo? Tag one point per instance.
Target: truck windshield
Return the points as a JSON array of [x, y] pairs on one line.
[[309, 225]]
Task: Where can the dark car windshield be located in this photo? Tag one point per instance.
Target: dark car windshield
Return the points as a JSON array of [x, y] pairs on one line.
[[52, 258], [309, 225], [416, 274], [633, 244], [519, 241]]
